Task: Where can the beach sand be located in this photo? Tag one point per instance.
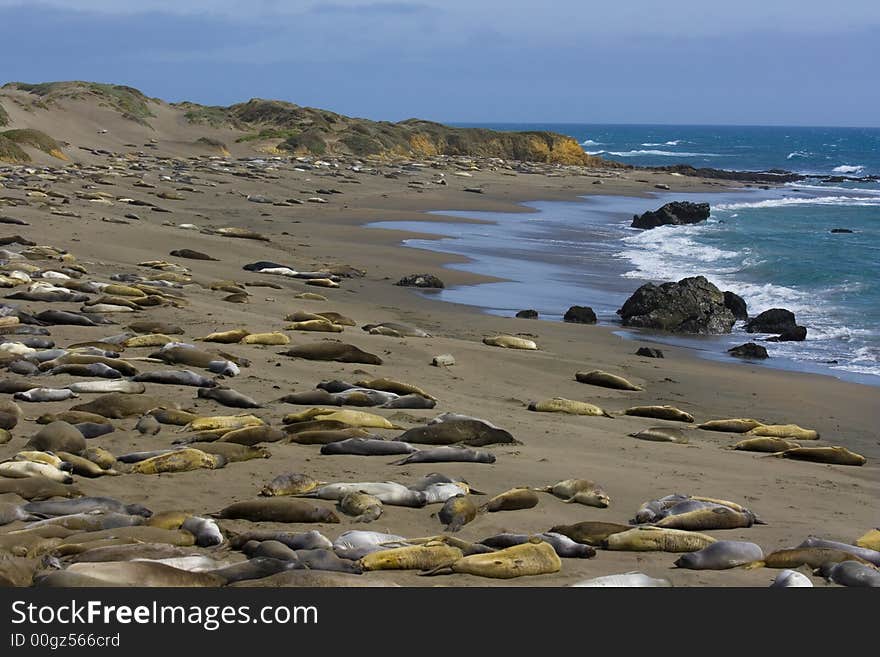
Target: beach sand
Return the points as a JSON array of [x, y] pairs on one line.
[[794, 498]]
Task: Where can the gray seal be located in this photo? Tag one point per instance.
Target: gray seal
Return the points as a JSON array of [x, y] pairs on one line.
[[176, 378], [865, 553], [447, 455], [228, 397], [205, 530], [368, 447], [850, 573], [463, 432], [564, 546], [721, 555], [55, 508], [309, 540]]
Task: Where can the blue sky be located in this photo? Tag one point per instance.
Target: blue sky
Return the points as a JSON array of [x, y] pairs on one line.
[[631, 61]]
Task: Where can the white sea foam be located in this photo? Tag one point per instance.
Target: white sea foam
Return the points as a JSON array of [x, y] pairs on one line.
[[674, 142], [590, 142], [660, 154], [813, 200], [797, 154], [833, 188], [848, 168]]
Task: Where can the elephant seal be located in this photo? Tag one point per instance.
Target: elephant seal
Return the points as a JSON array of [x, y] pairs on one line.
[[149, 326], [457, 512], [390, 385], [172, 416], [367, 447], [850, 573], [660, 539], [319, 324], [228, 397], [388, 492], [333, 351], [269, 339], [349, 417], [310, 540], [792, 431], [788, 579], [355, 544], [205, 530], [870, 540], [179, 460], [192, 255], [813, 557], [232, 452], [224, 422], [660, 413], [662, 435], [835, 455], [116, 385], [149, 340], [68, 318], [5, 436], [721, 555], [536, 557], [329, 437], [764, 444], [85, 467], [867, 554], [226, 337], [395, 329], [23, 469], [144, 573], [38, 488], [440, 492], [175, 378], [717, 517], [581, 491], [100, 456], [411, 557], [281, 509], [631, 579], [71, 417], [271, 549], [732, 425], [257, 568], [117, 405], [57, 436], [562, 405], [290, 483], [38, 395], [311, 398], [57, 508], [364, 507], [512, 500], [564, 546], [605, 380], [10, 414], [462, 432], [447, 455], [410, 401], [148, 425], [510, 342]]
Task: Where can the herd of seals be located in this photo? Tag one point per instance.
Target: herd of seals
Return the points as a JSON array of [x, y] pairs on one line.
[[84, 377]]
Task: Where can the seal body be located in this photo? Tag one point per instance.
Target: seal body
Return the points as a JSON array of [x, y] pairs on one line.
[[278, 510], [290, 483], [512, 500], [660, 413], [658, 539], [624, 580], [532, 558], [448, 455], [570, 406], [731, 425], [510, 342], [662, 435], [457, 512], [581, 491], [605, 380], [721, 555]]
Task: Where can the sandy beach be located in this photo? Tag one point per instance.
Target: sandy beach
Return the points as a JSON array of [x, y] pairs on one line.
[[795, 499]]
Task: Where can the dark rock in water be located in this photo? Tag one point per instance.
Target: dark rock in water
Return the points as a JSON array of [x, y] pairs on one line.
[[775, 320], [773, 175], [749, 350], [796, 334], [580, 315], [527, 314], [842, 230], [649, 352], [677, 213], [420, 280], [692, 305], [736, 304]]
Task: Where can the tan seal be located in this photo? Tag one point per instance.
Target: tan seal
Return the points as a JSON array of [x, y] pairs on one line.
[[836, 455], [731, 425], [512, 500], [562, 405], [792, 431], [662, 435], [278, 509], [182, 460], [536, 557], [333, 351], [658, 539], [510, 342], [365, 507], [660, 413], [764, 444], [457, 512], [580, 491], [605, 380], [291, 483], [274, 338], [412, 557]]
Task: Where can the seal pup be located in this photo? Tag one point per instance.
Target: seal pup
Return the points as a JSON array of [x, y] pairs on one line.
[[790, 579], [511, 500], [510, 342], [148, 425], [368, 447], [365, 507], [562, 405], [657, 539], [457, 512], [179, 460], [205, 530], [447, 455], [731, 425], [290, 483], [57, 436], [662, 435], [278, 509], [38, 395], [721, 555], [23, 469], [581, 491], [117, 406], [606, 380], [388, 492], [660, 413], [390, 385], [633, 579], [536, 557], [356, 544]]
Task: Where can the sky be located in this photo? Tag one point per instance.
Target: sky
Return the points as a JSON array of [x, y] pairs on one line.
[[749, 62]]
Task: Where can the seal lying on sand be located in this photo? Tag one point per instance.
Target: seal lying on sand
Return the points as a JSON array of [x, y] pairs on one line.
[[334, 351], [605, 380]]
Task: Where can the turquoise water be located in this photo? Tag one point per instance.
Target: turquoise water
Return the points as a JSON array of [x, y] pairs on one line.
[[772, 247]]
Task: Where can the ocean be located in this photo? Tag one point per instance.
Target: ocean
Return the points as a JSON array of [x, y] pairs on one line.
[[773, 247]]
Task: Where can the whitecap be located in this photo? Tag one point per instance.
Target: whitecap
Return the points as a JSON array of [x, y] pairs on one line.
[[848, 168], [590, 142], [815, 200], [797, 154], [661, 154]]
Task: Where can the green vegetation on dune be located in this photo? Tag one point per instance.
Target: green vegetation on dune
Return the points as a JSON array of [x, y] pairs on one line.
[[11, 152], [35, 139], [4, 117], [131, 103]]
